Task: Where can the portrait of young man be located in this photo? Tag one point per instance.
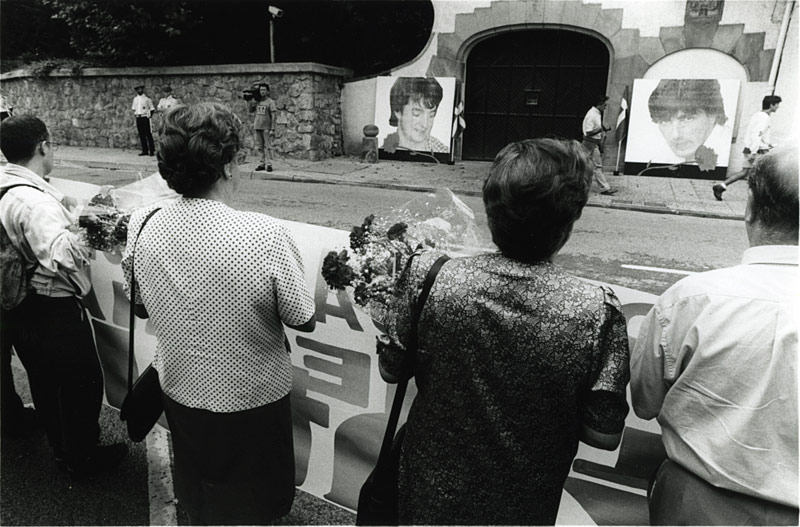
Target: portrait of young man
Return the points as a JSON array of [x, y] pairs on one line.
[[419, 116]]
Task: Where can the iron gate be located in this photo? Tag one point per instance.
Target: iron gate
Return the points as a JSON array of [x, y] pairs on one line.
[[530, 83]]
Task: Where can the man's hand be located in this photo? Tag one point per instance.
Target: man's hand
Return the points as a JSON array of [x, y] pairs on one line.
[[606, 128]]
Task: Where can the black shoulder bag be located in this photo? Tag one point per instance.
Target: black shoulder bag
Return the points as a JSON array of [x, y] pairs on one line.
[[142, 406], [377, 501]]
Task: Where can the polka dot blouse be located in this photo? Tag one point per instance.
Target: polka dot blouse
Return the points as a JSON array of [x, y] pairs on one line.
[[218, 284]]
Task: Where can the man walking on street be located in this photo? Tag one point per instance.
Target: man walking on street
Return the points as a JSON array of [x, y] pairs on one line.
[[716, 363], [264, 125], [593, 134], [49, 329], [143, 110], [757, 142]]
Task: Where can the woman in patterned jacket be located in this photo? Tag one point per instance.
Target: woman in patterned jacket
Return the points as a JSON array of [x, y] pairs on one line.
[[219, 285], [517, 359]]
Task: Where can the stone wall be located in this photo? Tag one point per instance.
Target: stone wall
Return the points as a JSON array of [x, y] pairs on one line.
[[94, 109]]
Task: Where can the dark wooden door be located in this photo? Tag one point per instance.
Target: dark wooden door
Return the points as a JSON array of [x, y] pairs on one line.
[[530, 83]]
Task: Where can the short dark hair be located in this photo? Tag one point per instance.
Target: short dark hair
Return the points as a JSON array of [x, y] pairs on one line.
[[196, 143], [673, 97], [425, 90], [769, 100], [263, 85], [20, 135], [535, 191], [600, 99], [773, 183]]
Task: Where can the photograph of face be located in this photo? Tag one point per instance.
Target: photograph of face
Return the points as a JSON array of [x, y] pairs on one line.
[[672, 118], [414, 114]]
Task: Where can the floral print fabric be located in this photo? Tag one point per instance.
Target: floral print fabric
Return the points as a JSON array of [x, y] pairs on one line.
[[513, 360]]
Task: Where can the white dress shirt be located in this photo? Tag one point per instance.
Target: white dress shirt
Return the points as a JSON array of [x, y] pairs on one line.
[[142, 106], [716, 362], [218, 285], [758, 136]]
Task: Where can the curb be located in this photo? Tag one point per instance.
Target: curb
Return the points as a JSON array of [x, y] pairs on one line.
[[135, 167]]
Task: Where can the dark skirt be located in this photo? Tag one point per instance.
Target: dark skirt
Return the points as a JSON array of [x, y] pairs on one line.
[[233, 468]]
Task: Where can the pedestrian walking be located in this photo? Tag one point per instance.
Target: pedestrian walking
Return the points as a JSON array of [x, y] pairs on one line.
[[517, 361], [716, 363], [593, 136], [143, 110], [264, 125], [757, 142], [50, 329], [219, 285]]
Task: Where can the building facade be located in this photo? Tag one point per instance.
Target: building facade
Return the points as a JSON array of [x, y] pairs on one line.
[[529, 68]]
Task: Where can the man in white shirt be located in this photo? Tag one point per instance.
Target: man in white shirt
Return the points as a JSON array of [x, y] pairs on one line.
[[143, 109], [49, 329], [757, 142], [716, 363], [593, 134]]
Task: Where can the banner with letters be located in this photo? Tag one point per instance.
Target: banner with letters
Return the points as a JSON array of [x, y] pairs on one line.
[[340, 403]]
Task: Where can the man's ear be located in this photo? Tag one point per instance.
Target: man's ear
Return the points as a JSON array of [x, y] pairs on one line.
[[40, 148]]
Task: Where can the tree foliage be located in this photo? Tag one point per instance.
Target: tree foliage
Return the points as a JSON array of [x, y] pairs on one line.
[[367, 36]]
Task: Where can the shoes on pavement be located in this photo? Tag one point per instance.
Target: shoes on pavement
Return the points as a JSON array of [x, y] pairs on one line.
[[143, 153], [269, 168], [22, 424], [718, 190], [103, 459], [609, 192], [260, 167], [152, 153]]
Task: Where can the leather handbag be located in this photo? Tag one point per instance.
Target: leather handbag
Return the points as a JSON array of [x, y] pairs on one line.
[[378, 498], [142, 406]]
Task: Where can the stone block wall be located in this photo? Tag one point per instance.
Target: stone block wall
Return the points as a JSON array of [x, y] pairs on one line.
[[94, 109]]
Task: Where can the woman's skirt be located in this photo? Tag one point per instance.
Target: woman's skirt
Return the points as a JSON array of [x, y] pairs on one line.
[[233, 468]]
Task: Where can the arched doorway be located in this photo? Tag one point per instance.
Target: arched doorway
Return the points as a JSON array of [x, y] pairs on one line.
[[530, 83]]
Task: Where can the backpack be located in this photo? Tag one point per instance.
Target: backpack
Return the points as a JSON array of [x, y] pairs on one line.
[[15, 270]]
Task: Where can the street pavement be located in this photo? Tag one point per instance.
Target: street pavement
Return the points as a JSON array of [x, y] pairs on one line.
[[662, 195]]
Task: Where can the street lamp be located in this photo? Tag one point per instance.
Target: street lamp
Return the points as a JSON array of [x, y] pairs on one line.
[[274, 12]]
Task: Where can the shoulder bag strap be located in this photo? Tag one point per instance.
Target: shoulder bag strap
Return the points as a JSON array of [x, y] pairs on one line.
[[132, 319], [400, 392]]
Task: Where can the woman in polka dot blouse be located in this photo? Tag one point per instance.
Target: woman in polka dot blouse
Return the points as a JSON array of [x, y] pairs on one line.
[[219, 285]]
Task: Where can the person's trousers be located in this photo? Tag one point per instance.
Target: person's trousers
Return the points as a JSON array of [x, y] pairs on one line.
[[11, 406], [233, 468], [597, 161], [145, 135], [53, 339], [678, 497], [264, 146]]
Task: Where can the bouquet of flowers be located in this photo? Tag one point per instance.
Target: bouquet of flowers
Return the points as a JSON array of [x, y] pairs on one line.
[[103, 221], [380, 248], [102, 224]]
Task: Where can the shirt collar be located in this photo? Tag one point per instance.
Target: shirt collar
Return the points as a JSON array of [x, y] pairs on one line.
[[771, 254], [30, 176]]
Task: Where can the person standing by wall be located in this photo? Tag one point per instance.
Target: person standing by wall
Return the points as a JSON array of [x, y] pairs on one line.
[[143, 109], [593, 133], [50, 330], [757, 142], [264, 125]]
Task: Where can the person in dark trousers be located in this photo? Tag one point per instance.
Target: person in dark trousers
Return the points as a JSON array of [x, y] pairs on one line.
[[143, 110], [757, 142], [50, 329]]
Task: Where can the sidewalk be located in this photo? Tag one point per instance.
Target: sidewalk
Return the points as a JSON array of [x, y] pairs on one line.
[[691, 197]]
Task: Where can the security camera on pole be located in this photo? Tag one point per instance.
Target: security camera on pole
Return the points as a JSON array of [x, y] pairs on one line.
[[274, 12]]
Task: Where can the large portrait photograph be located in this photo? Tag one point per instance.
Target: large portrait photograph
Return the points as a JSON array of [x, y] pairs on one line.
[[681, 127], [415, 118]]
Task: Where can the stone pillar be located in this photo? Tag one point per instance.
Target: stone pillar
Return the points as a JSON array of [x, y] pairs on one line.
[[369, 144]]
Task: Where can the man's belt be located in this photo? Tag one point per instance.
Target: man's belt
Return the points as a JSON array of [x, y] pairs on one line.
[[594, 140]]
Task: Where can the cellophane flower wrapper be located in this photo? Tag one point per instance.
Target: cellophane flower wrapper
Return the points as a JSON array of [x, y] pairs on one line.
[[103, 220], [380, 248]]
